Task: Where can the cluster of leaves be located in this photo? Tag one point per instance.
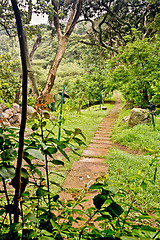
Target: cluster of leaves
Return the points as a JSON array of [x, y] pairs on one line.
[[41, 147], [115, 21], [10, 81]]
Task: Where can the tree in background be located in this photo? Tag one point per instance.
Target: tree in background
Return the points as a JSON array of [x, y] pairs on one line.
[[116, 20], [10, 79], [137, 71]]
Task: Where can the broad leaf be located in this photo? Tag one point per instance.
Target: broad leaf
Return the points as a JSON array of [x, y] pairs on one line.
[[96, 186], [9, 155], [78, 131], [57, 162], [7, 172], [114, 209], [52, 150], [31, 217], [99, 200], [35, 153]]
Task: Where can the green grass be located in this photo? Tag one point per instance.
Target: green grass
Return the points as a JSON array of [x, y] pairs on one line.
[[135, 174], [142, 136]]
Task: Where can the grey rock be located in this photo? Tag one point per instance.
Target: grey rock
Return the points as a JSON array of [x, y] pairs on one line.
[[30, 111], [124, 120], [138, 116], [2, 107]]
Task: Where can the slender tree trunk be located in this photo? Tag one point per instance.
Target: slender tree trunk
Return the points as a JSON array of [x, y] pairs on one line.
[[32, 79], [63, 41], [21, 35], [34, 48]]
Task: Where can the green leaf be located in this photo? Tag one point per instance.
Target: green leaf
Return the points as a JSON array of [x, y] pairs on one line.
[[52, 150], [44, 123], [7, 172], [68, 132], [41, 192], [96, 186], [35, 153], [46, 115], [79, 141], [57, 162], [35, 126], [143, 185], [9, 155], [2, 211], [78, 131], [64, 154], [57, 184], [99, 200], [34, 115], [102, 218], [114, 209], [31, 217]]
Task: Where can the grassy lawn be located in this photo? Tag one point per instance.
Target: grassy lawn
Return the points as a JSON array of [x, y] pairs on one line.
[[142, 137], [138, 175]]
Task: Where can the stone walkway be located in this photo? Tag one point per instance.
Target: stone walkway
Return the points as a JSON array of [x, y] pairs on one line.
[[92, 162]]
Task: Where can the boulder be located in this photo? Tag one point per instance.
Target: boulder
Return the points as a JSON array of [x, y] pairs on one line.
[[15, 120], [124, 120], [10, 112], [16, 107], [2, 107], [138, 116], [128, 105], [30, 111]]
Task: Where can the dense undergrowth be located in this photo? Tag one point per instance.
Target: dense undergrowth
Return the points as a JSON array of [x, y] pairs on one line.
[[125, 202]]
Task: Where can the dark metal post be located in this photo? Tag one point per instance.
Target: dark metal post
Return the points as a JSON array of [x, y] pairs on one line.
[[100, 100], [60, 118]]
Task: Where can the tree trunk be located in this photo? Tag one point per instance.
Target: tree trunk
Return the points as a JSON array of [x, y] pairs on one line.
[[23, 50], [32, 79], [63, 41]]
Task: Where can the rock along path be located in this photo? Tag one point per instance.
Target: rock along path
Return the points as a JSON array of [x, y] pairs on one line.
[[92, 162]]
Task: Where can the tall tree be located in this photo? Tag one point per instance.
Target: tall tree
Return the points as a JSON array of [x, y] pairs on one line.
[[63, 37]]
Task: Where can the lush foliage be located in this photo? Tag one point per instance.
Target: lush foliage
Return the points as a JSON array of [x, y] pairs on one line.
[[10, 80], [137, 73]]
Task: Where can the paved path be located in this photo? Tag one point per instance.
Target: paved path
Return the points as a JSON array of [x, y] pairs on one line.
[[92, 163]]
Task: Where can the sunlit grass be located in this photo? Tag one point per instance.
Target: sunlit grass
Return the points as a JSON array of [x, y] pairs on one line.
[[128, 171], [142, 136]]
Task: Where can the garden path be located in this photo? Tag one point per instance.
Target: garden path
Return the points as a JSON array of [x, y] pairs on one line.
[[92, 162]]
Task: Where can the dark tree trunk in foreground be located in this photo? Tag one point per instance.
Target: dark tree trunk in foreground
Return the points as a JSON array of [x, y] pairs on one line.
[[21, 35]]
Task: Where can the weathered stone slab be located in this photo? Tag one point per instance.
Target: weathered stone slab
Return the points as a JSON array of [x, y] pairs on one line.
[[100, 145], [103, 131], [102, 138], [82, 167], [92, 160], [102, 135], [77, 181], [101, 141], [95, 152]]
